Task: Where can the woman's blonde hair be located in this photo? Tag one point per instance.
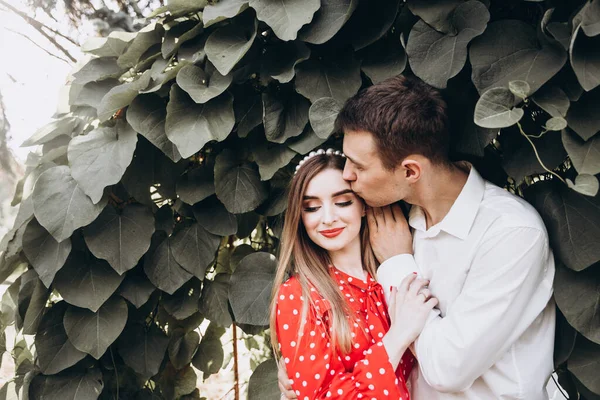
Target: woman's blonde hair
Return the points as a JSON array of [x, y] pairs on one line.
[[299, 256]]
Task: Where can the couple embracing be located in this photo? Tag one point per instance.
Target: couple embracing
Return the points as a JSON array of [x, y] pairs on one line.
[[452, 302]]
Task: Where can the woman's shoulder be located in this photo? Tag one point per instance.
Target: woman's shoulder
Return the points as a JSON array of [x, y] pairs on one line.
[[290, 287], [292, 290]]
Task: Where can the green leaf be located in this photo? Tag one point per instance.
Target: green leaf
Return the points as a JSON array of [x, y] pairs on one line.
[[196, 184], [202, 85], [178, 8], [122, 95], [184, 302], [100, 158], [112, 46], [226, 46], [54, 129], [509, 50], [98, 69], [238, 184], [194, 249], [86, 283], [585, 156], [521, 89], [178, 35], [121, 238], [583, 116], [327, 21], [54, 350], [33, 296], [92, 332], [212, 215], [439, 14], [285, 115], [384, 59], [162, 72], [585, 58], [190, 126], [565, 339], [556, 124], [573, 223], [45, 254], [270, 158], [248, 110], [436, 57], [553, 100], [143, 349], [91, 93], [147, 114], [137, 289], [162, 269], [338, 78], [73, 385], [250, 288], [214, 302], [246, 223], [60, 205], [280, 59], [224, 9], [496, 109], [275, 204], [584, 364], [209, 356], [370, 21], [263, 382], [322, 115], [287, 18], [164, 219], [306, 142], [146, 38], [182, 348], [585, 184]]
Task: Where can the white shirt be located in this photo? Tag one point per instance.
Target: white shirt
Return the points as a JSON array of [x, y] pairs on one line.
[[492, 270]]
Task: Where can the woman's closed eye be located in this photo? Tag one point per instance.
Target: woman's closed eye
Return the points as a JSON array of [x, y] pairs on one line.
[[345, 203]]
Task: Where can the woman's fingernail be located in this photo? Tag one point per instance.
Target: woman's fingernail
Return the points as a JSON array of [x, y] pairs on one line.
[[391, 288]]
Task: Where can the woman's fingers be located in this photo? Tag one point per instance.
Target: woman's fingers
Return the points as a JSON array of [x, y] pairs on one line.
[[406, 283], [425, 294], [417, 286]]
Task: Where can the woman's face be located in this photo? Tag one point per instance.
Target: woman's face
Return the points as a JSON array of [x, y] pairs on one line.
[[331, 212]]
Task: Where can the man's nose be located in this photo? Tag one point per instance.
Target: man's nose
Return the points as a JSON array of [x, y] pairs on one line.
[[348, 174]]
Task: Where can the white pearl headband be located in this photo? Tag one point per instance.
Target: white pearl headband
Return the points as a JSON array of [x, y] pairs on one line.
[[329, 152]]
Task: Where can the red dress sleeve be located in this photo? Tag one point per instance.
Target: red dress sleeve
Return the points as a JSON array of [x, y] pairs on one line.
[[314, 367]]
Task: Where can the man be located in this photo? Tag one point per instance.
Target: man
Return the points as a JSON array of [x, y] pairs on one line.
[[484, 250]]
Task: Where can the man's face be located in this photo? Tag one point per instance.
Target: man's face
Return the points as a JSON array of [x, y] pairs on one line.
[[366, 174]]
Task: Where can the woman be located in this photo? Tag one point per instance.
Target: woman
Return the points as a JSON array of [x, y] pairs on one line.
[[329, 322]]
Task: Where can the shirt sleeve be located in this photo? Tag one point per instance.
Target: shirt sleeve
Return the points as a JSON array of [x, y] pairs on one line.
[[316, 370], [508, 286]]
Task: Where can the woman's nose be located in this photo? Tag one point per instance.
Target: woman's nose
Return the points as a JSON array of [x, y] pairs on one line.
[[329, 215]]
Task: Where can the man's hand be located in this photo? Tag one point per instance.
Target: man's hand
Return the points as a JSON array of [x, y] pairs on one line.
[[285, 386], [389, 232]]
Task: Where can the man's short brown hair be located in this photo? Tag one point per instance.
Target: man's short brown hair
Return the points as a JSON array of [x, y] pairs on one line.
[[404, 115]]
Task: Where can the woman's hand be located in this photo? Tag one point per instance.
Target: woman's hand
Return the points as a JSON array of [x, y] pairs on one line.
[[410, 305], [389, 232]]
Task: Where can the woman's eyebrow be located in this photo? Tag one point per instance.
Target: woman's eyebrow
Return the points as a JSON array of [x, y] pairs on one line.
[[336, 194]]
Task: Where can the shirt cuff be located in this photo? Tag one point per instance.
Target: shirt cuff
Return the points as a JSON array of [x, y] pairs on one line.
[[393, 270]]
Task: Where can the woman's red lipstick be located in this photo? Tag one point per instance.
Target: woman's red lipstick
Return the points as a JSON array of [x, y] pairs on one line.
[[331, 233]]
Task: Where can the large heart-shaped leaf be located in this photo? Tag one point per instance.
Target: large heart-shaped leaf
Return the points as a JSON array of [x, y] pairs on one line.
[[209, 356], [98, 69], [86, 282], [280, 59], [136, 288], [121, 238], [60, 205], [182, 348], [285, 115], [212, 215], [585, 156], [270, 158], [143, 348], [214, 303], [384, 59], [100, 158], [52, 130], [496, 109], [226, 46], [122, 95], [322, 115], [509, 50], [202, 85], [585, 58], [178, 35], [370, 21], [146, 38], [184, 302], [584, 364], [190, 126], [222, 10], [194, 249], [92, 332], [73, 385], [285, 18], [439, 14], [248, 109], [436, 57], [54, 350], [112, 46], [263, 382], [306, 142], [585, 184], [179, 8], [238, 184], [583, 116], [572, 220], [91, 93], [32, 299], [327, 21], [553, 100], [250, 288], [45, 254], [196, 184], [147, 114], [338, 78], [163, 270]]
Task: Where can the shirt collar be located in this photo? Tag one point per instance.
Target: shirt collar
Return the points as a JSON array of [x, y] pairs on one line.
[[460, 218]]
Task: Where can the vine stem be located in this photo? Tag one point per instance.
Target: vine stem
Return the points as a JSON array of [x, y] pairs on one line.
[[236, 375], [538, 156], [116, 373]]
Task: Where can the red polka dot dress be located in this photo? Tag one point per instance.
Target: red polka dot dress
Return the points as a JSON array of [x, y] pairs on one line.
[[316, 369]]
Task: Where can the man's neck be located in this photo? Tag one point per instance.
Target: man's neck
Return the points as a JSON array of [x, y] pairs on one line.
[[438, 191]]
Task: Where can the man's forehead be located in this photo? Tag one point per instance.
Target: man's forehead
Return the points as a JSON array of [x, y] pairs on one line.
[[358, 145]]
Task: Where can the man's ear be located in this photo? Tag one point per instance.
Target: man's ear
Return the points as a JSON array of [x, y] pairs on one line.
[[412, 169]]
